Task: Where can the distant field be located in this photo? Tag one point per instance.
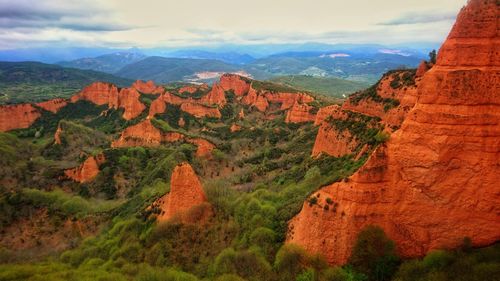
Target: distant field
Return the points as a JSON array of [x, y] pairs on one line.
[[328, 86]]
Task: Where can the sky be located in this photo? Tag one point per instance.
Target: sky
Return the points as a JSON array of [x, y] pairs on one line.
[[188, 23]]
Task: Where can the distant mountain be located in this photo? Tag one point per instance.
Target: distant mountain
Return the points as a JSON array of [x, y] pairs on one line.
[[228, 57], [164, 70], [328, 86], [109, 63], [365, 67], [34, 81]]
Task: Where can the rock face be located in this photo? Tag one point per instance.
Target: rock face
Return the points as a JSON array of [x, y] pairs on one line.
[[104, 93], [199, 110], [147, 87], [216, 96], [436, 180], [238, 84], [87, 171], [18, 116], [344, 143], [300, 113], [53, 105], [186, 200], [191, 89], [57, 135], [146, 134]]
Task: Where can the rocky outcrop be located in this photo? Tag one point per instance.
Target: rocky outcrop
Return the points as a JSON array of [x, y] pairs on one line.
[[436, 180], [146, 134], [241, 114], [287, 100], [204, 147], [422, 68], [186, 202], [18, 116], [235, 128], [191, 89], [333, 142], [325, 112], [107, 94], [87, 171], [147, 87], [236, 83], [57, 135], [53, 105], [300, 113], [199, 110], [216, 96]]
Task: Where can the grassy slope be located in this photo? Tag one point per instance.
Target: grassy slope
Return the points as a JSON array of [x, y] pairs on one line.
[[34, 81], [328, 86]]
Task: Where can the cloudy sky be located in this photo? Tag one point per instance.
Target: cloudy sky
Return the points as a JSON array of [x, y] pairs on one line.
[[175, 23]]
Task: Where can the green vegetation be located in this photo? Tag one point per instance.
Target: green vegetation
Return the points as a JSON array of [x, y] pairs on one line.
[[328, 86], [34, 82]]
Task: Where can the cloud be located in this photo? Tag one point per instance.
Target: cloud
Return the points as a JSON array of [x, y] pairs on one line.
[[71, 15], [420, 18]]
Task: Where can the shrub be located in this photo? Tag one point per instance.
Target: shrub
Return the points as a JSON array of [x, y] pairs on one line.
[[374, 254]]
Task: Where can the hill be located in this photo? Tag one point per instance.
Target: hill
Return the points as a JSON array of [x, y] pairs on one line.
[[164, 70], [108, 63], [34, 81], [328, 86]]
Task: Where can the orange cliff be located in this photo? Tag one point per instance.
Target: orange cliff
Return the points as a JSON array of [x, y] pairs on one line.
[[146, 134], [199, 110], [53, 105], [18, 116], [300, 113], [87, 171], [436, 180], [215, 96], [186, 200], [238, 84], [107, 94], [147, 87]]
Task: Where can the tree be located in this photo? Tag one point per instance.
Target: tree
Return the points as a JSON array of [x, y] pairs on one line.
[[432, 56], [374, 254]]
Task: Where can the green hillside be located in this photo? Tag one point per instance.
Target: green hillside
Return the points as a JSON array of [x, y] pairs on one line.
[[34, 81], [328, 86]]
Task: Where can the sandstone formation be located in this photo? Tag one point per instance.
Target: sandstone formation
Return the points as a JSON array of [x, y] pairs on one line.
[[333, 142], [57, 134], [238, 84], [436, 180], [215, 96], [199, 110], [186, 200], [300, 113], [53, 105], [325, 112], [147, 87], [87, 171], [18, 116], [191, 89], [107, 94], [146, 134], [235, 128]]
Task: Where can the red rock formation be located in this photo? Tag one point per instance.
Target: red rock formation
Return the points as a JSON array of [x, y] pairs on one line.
[[241, 115], [326, 112], [146, 134], [332, 142], [300, 113], [87, 171], [393, 117], [191, 89], [141, 134], [238, 84], [158, 106], [57, 135], [204, 147], [181, 122], [235, 128], [199, 110], [287, 100], [436, 180], [53, 105], [104, 93], [215, 96], [18, 116], [186, 201], [147, 87], [423, 67]]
